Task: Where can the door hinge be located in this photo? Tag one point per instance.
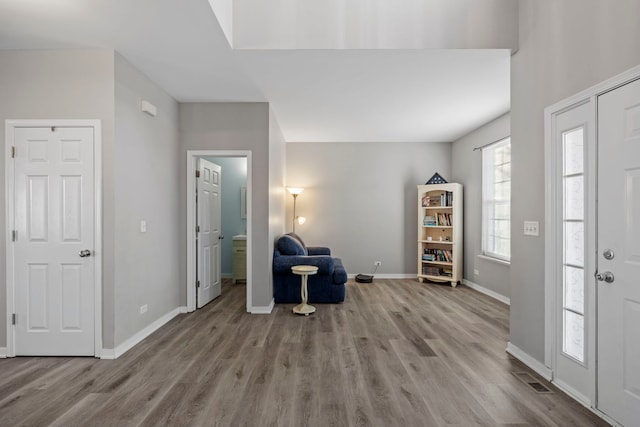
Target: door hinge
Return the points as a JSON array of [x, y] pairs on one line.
[[198, 174], [14, 235], [197, 228], [197, 283], [13, 151], [14, 319]]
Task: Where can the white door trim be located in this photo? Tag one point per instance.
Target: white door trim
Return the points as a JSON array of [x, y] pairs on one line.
[[552, 221], [553, 244], [10, 127], [192, 156]]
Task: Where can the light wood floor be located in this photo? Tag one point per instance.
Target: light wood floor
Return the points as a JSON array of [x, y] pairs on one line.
[[396, 353]]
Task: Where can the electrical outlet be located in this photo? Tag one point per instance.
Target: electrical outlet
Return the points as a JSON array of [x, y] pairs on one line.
[[143, 309], [377, 263], [531, 228], [476, 271]]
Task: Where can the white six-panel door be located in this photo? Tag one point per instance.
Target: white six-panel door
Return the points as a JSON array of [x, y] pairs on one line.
[[619, 232], [210, 234], [53, 223]]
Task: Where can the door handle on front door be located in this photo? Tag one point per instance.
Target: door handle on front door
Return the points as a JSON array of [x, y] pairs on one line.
[[607, 277], [85, 253]]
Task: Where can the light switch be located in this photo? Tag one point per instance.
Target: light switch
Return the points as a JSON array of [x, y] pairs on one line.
[[531, 228], [143, 226]]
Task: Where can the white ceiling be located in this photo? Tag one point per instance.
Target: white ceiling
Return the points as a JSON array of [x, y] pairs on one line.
[[422, 95]]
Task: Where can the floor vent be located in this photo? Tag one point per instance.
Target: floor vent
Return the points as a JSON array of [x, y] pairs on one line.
[[529, 380]]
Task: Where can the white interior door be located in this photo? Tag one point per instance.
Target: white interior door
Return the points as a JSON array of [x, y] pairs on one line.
[[619, 231], [53, 222], [209, 234]]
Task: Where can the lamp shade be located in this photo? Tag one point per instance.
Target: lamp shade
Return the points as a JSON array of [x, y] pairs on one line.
[[295, 190]]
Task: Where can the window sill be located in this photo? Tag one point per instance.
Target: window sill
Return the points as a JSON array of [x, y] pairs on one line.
[[496, 260]]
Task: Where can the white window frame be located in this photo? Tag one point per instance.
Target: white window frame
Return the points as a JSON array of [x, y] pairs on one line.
[[490, 201]]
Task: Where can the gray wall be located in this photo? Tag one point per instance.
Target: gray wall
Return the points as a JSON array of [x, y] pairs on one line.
[[466, 168], [70, 84], [565, 47], [277, 175], [234, 177], [147, 269], [360, 199], [233, 126]]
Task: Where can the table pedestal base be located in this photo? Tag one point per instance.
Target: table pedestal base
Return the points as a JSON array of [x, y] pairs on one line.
[[304, 271], [304, 308]]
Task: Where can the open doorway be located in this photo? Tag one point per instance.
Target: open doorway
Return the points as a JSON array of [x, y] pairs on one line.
[[192, 259]]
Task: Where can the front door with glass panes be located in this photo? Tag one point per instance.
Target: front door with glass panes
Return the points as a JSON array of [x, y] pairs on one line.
[[593, 248]]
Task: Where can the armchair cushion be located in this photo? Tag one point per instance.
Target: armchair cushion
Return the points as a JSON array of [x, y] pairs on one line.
[[309, 250], [295, 236], [288, 245], [318, 250]]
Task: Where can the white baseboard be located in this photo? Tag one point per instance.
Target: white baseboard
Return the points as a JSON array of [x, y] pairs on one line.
[[141, 335], [532, 363], [605, 417], [573, 393], [387, 276], [3, 352], [263, 309], [547, 374], [487, 292], [108, 354]]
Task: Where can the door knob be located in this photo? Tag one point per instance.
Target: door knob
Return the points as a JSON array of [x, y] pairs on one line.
[[607, 277], [608, 254], [85, 253], [220, 237]]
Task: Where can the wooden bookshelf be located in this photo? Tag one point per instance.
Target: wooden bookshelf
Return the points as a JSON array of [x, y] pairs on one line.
[[440, 233]]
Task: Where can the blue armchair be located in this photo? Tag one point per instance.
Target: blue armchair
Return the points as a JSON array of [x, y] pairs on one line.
[[328, 285]]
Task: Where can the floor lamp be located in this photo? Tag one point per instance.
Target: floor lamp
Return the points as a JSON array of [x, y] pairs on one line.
[[295, 192]]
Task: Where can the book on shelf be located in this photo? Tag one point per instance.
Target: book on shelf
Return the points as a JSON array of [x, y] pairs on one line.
[[445, 219], [440, 255], [446, 199], [440, 219], [431, 271], [438, 200], [429, 221], [436, 271]]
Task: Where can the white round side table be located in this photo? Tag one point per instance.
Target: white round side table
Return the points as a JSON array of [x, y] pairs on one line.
[[305, 271]]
